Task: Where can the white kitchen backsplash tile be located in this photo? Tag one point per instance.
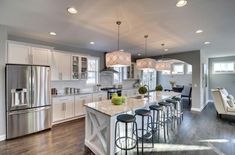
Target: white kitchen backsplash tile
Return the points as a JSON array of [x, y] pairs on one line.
[[81, 84]]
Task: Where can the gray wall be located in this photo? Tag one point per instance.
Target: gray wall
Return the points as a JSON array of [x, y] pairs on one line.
[[185, 79], [193, 58], [3, 39], [221, 80]]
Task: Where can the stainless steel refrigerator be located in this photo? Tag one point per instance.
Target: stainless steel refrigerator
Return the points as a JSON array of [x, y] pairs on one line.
[[28, 104]]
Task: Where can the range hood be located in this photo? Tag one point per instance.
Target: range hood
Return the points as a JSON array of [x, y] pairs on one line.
[[108, 70]]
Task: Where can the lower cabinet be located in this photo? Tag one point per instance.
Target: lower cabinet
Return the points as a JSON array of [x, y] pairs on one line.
[[63, 108], [80, 100]]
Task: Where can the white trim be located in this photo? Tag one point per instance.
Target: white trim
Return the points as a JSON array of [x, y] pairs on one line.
[[209, 101], [2, 137], [196, 109]]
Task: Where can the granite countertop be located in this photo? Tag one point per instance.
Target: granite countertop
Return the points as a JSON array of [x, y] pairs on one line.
[[132, 103]]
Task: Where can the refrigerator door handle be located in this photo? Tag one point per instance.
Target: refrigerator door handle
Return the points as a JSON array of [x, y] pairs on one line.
[[28, 111]]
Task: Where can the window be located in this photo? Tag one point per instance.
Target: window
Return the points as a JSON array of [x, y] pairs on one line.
[[178, 69], [92, 70], [189, 69], [166, 72], [223, 67], [117, 77]]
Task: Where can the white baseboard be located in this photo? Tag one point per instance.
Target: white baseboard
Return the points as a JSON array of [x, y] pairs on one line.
[[2, 137], [196, 109], [209, 101]]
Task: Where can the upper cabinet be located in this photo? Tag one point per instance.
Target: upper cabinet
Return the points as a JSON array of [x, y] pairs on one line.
[[41, 56], [22, 53], [18, 54], [130, 72], [79, 67], [60, 68]]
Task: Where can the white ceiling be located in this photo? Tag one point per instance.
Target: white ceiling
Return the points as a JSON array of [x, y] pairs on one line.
[[95, 21]]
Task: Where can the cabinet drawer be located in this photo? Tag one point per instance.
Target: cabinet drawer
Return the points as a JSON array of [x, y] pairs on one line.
[[63, 99]]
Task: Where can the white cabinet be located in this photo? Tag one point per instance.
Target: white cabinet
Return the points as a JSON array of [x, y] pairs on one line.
[[18, 54], [79, 67], [22, 53], [80, 100], [58, 111], [60, 68], [41, 56], [63, 108], [130, 72], [99, 97]]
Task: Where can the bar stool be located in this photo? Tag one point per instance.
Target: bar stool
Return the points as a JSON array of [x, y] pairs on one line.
[[178, 99], [130, 142], [148, 130], [158, 113], [176, 108], [169, 114]]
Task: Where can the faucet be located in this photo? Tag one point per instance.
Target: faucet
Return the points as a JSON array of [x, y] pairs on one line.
[[148, 89]]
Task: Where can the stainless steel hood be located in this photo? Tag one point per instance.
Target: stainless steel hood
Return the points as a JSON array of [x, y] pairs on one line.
[[107, 70]]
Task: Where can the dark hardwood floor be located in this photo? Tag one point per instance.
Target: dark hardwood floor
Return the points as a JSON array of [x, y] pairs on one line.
[[199, 134]]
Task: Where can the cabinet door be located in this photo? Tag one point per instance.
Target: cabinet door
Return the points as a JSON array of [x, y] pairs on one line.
[[60, 66], [41, 56], [18, 54], [80, 100], [69, 110], [58, 111], [79, 105]]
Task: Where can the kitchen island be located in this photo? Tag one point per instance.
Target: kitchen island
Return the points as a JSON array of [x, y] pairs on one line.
[[101, 118]]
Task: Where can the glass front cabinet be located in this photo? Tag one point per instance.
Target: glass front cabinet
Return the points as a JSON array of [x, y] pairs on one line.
[[79, 67], [130, 72]]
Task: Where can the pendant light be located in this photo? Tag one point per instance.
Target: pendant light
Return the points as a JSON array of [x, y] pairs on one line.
[[163, 65], [118, 58], [146, 63]]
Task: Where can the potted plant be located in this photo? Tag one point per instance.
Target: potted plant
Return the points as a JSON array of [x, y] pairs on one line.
[[143, 90], [172, 83], [159, 88]]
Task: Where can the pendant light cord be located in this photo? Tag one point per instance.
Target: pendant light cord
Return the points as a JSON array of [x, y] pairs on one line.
[[118, 23], [146, 37]]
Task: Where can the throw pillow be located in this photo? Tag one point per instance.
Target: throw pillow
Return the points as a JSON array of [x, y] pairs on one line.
[[230, 100]]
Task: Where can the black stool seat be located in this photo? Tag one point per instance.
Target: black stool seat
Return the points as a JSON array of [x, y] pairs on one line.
[[176, 98], [142, 112], [126, 118], [171, 101], [164, 104], [155, 107]]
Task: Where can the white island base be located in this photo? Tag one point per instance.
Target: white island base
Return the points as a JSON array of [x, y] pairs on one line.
[[101, 119]]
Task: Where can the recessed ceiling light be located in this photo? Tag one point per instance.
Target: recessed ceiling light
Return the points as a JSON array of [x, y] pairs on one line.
[[92, 43], [139, 54], [207, 43], [121, 50], [72, 10], [52, 33], [166, 50], [181, 3], [199, 31]]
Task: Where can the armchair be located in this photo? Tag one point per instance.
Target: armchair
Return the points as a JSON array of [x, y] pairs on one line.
[[220, 97]]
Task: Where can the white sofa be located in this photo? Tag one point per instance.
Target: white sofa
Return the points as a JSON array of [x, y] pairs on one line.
[[220, 97]]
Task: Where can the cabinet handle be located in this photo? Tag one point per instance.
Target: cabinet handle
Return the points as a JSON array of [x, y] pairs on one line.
[[64, 106]]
